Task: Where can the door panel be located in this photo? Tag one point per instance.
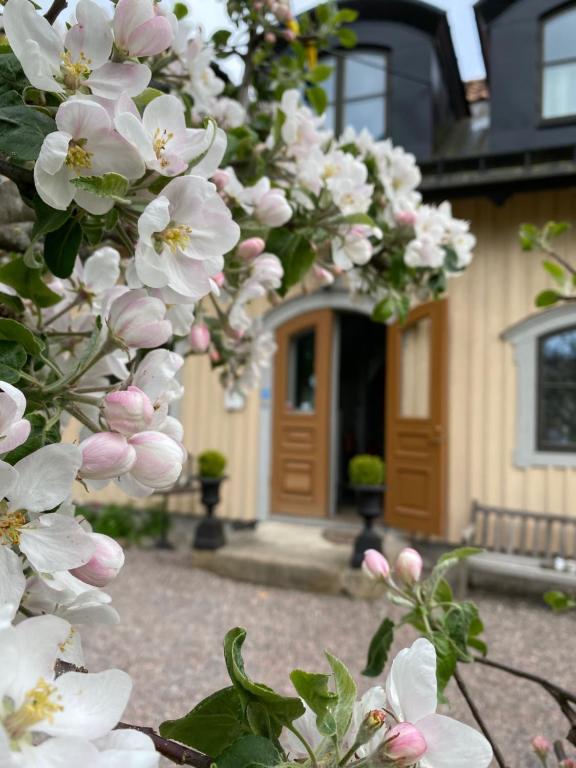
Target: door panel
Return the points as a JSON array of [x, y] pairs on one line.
[[302, 403], [416, 407]]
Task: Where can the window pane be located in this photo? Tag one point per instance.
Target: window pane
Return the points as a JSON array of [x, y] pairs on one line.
[[560, 36], [329, 85], [365, 74], [557, 406], [368, 113], [302, 379], [330, 119], [415, 370], [559, 90]]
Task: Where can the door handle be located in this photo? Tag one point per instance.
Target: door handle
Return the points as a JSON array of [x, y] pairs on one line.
[[438, 437]]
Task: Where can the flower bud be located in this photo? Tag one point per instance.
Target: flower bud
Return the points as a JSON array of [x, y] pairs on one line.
[[138, 320], [104, 565], [199, 338], [273, 210], [323, 276], [219, 279], [408, 566], [568, 762], [541, 746], [375, 565], [159, 460], [128, 411], [106, 455], [270, 37], [371, 724], [215, 356], [251, 248], [405, 218], [221, 179], [404, 745]]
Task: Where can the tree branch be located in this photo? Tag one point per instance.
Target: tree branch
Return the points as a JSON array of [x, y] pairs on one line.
[[22, 177], [175, 752], [498, 756], [55, 10]]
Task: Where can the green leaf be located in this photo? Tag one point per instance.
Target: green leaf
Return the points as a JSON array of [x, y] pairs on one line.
[[10, 330], [180, 10], [553, 229], [22, 132], [221, 37], [347, 37], [359, 218], [212, 726], [319, 73], [559, 602], [457, 626], [317, 99], [345, 16], [61, 248], [555, 271], [446, 660], [379, 649], [547, 298], [529, 237], [48, 219], [250, 752], [12, 359], [313, 689], [384, 310], [346, 691], [28, 283], [142, 101], [12, 77], [443, 592], [461, 553], [295, 253], [110, 185], [13, 303]]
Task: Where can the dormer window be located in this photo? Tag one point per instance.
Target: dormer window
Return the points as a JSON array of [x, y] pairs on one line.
[[559, 65], [357, 91]]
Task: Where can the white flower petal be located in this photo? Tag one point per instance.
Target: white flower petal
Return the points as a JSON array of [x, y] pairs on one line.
[[102, 269], [55, 542], [164, 113], [12, 405], [127, 749], [59, 753], [155, 218], [8, 479], [411, 687], [12, 581], [111, 80], [83, 118], [35, 42], [131, 129], [92, 203], [15, 436], [54, 188], [451, 744], [91, 35], [92, 704], [45, 477], [210, 164]]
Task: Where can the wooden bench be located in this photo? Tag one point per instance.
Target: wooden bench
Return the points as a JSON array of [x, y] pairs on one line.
[[524, 550]]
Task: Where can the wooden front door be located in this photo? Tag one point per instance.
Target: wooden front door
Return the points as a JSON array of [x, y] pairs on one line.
[[302, 405], [416, 416]]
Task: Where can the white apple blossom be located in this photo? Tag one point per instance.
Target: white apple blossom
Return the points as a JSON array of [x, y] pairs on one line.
[[62, 594], [143, 28], [203, 83], [85, 144], [353, 248], [184, 234], [14, 429], [80, 59]]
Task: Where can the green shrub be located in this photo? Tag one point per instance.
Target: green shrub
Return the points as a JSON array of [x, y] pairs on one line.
[[127, 524], [211, 464], [367, 470]]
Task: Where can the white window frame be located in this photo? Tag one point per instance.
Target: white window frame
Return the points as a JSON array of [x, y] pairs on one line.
[[524, 337]]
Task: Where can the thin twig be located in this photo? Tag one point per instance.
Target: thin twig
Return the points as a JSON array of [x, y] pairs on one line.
[[55, 10], [561, 260], [498, 756]]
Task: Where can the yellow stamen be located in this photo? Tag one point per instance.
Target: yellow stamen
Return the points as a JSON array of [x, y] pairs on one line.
[[161, 138], [176, 237], [78, 157], [74, 72], [10, 525], [40, 703]]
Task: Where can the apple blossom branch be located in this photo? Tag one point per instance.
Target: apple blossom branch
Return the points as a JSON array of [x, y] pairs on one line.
[[55, 10]]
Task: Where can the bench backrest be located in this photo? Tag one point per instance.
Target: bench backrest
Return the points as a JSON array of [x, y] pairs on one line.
[[523, 533]]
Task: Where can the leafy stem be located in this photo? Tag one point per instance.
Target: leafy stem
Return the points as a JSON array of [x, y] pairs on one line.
[[306, 745]]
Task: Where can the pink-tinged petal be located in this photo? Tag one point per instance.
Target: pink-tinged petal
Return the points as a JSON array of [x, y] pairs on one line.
[[8, 479], [451, 744], [15, 436], [55, 542], [132, 487], [12, 580], [54, 188], [92, 203], [92, 704], [91, 35], [155, 218], [128, 15], [156, 371], [411, 686], [54, 151], [131, 129], [82, 118], [111, 80], [113, 153], [45, 477], [150, 38], [35, 42]]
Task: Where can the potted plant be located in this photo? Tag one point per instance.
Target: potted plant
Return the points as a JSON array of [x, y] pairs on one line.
[[367, 476], [210, 530]]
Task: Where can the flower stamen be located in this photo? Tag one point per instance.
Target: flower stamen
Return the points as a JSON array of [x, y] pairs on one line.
[[176, 237], [161, 139], [10, 525], [74, 72], [40, 703], [78, 157]]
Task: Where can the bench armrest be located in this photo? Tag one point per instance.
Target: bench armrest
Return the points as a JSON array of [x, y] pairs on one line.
[[468, 534]]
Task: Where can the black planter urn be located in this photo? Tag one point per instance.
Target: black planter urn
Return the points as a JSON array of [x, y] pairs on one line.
[[210, 530], [369, 506]]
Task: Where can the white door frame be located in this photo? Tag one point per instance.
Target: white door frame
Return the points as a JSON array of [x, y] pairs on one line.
[[328, 298]]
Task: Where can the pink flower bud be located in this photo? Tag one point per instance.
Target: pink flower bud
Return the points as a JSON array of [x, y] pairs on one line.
[[258, 5], [323, 276], [404, 745], [541, 746], [140, 29], [219, 279], [568, 762], [270, 37], [251, 248], [106, 455], [215, 356], [221, 179], [408, 566], [273, 210], [104, 565], [289, 35], [128, 411], [159, 460], [199, 338], [375, 565], [138, 320], [405, 218]]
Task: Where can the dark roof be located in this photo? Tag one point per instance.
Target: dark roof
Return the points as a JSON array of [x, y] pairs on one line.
[[429, 19], [488, 10]]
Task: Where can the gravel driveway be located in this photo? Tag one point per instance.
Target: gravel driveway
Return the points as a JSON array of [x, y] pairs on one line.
[[174, 618]]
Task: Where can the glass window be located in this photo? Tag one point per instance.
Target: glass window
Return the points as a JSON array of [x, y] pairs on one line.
[[559, 65], [416, 370], [301, 372], [357, 92], [557, 391]]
